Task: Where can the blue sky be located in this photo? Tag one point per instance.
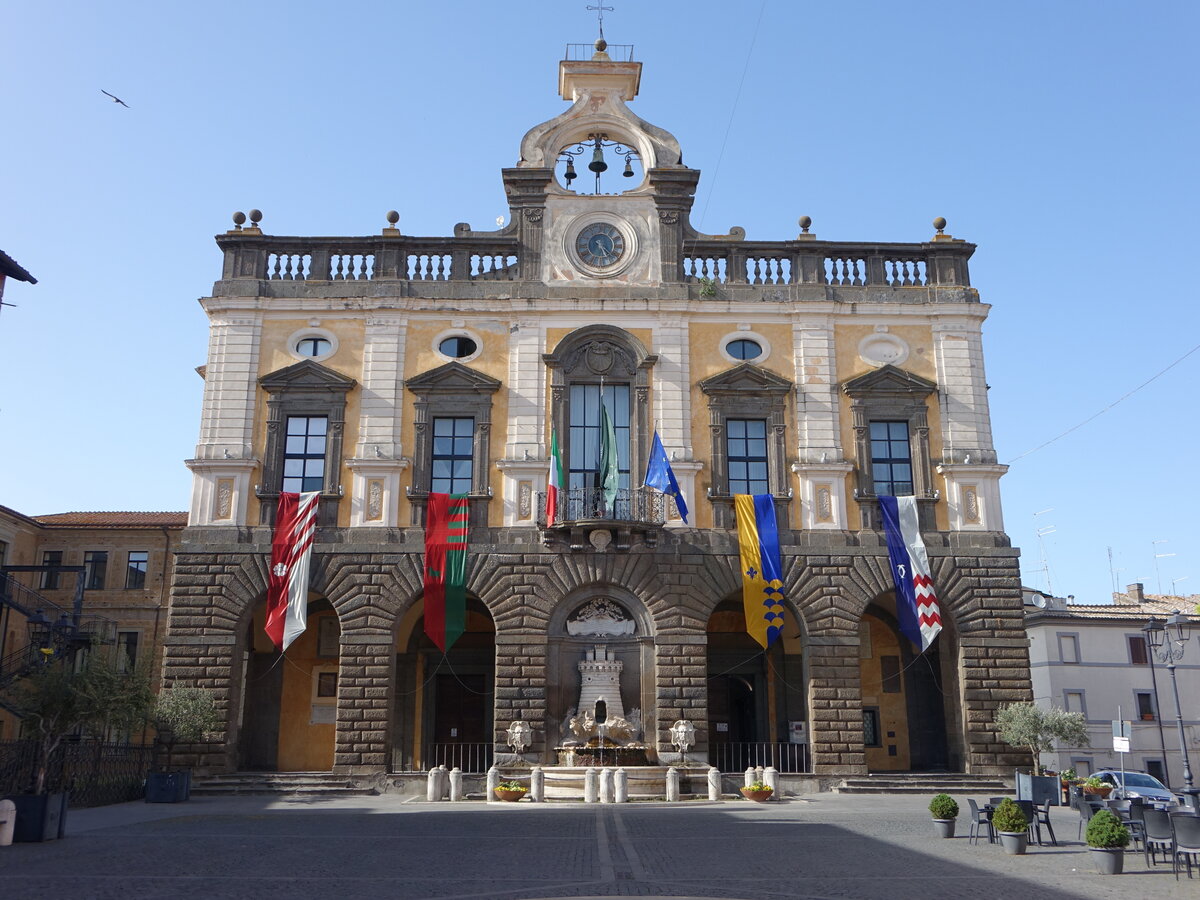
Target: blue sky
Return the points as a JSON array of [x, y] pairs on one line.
[[1059, 137]]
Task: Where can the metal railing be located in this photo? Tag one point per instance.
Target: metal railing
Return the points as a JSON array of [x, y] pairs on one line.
[[93, 773], [471, 758], [736, 757], [642, 505]]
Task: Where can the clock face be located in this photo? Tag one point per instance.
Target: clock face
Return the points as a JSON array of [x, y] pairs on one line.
[[600, 245]]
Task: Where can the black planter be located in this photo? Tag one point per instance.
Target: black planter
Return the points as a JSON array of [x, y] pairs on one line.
[[168, 787], [40, 817]]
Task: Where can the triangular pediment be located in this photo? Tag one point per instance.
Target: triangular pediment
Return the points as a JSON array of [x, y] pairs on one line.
[[889, 380], [452, 378], [306, 375], [745, 378]]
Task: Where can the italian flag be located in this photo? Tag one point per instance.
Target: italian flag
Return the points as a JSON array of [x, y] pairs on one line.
[[556, 478], [445, 568]]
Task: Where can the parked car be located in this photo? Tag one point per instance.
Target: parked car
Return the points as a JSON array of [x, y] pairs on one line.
[[1136, 784]]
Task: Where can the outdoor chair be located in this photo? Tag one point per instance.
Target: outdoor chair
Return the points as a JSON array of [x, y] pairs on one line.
[[995, 801], [1042, 817], [1187, 841], [1086, 811], [980, 819], [1031, 821], [1158, 834]]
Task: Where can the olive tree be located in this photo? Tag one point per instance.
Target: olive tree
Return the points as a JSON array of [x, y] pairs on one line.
[[1033, 727]]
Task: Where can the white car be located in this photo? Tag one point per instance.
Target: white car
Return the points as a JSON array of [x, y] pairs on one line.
[[1136, 784]]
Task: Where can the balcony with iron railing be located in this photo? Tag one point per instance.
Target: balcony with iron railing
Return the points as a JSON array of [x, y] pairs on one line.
[[583, 515]]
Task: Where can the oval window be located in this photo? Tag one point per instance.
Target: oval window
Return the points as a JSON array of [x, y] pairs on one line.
[[457, 347], [744, 349], [313, 346]]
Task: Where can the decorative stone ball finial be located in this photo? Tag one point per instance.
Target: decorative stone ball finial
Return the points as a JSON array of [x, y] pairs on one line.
[[255, 217], [239, 219], [393, 217], [940, 224], [601, 45], [805, 222]]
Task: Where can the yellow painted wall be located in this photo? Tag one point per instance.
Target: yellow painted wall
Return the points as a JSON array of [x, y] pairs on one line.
[[893, 713], [303, 747], [920, 362]]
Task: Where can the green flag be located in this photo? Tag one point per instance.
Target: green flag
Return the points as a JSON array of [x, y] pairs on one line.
[[610, 477]]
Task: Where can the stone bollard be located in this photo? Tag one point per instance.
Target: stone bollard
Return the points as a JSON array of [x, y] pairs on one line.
[[443, 783], [758, 773], [433, 790], [751, 777], [621, 787], [672, 785], [608, 790], [771, 780], [714, 783], [8, 821], [493, 779], [456, 790], [537, 785], [591, 787]]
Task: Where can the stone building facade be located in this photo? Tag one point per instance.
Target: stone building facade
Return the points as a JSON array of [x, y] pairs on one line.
[[376, 369]]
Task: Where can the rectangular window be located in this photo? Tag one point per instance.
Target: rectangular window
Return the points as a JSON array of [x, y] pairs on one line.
[[1156, 769], [1073, 701], [583, 452], [746, 451], [127, 650], [51, 580], [1145, 705], [95, 564], [1068, 648], [135, 571], [453, 455], [1137, 650], [890, 671], [871, 727], [304, 454], [891, 459], [3, 552]]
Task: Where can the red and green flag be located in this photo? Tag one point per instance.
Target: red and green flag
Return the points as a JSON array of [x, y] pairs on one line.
[[556, 478], [445, 568]]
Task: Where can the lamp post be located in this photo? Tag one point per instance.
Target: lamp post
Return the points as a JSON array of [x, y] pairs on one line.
[[1168, 643]]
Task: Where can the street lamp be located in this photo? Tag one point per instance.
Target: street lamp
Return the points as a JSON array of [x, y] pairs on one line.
[[1168, 643]]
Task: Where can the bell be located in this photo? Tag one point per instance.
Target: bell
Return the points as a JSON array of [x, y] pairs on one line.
[[628, 173], [569, 175], [598, 164]]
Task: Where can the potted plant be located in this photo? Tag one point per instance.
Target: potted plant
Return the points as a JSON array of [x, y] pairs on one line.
[[1067, 776], [945, 813], [511, 791], [1095, 786], [87, 694], [1107, 839], [1027, 725], [181, 715], [757, 791], [1011, 825]]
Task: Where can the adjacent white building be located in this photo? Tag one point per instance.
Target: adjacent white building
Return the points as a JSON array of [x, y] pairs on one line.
[[1094, 659]]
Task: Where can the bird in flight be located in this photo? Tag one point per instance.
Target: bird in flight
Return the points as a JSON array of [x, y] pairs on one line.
[[115, 98]]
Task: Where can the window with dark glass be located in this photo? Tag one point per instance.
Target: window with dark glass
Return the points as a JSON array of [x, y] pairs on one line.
[[891, 459], [3, 552], [453, 455], [583, 466], [1145, 705], [95, 563], [457, 347], [871, 727], [304, 454], [744, 348], [746, 452], [135, 569], [1137, 650], [127, 650], [51, 580], [313, 346]]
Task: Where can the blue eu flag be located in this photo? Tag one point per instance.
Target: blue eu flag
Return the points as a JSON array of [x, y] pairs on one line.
[[660, 476]]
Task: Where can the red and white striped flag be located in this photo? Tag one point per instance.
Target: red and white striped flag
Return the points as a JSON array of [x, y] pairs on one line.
[[291, 549]]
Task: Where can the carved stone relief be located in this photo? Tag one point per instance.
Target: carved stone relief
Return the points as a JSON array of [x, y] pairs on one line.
[[224, 499], [374, 500], [525, 499]]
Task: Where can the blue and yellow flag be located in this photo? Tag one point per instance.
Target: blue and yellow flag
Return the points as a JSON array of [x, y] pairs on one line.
[[762, 573]]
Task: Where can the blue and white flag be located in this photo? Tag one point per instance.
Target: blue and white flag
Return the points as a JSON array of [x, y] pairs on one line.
[[916, 603], [660, 476]]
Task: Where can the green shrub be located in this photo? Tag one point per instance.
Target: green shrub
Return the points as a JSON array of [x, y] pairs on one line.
[[942, 806], [1096, 784], [1105, 831], [1008, 817]]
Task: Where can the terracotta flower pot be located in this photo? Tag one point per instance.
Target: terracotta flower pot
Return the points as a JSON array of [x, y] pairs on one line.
[[1100, 792], [756, 796], [509, 796]]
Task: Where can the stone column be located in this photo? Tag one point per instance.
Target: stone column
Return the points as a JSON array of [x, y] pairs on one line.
[[681, 689], [366, 681], [520, 689], [835, 705]]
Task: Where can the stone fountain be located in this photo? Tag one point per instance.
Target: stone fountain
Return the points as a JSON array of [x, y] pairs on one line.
[[603, 736]]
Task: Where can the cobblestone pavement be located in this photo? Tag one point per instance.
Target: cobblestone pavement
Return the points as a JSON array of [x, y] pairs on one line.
[[368, 847]]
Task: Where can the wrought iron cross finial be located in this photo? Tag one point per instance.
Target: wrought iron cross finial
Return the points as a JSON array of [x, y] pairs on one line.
[[600, 9]]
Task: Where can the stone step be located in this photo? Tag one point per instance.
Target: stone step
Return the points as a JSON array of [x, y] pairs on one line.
[[922, 783], [305, 783]]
